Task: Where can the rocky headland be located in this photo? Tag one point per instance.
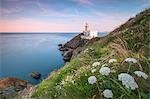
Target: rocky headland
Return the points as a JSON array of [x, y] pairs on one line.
[[86, 57], [73, 47]]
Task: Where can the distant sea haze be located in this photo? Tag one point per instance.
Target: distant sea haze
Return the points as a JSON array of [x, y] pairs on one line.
[[22, 53]]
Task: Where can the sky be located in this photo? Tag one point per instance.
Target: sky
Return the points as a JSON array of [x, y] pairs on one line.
[[66, 15]]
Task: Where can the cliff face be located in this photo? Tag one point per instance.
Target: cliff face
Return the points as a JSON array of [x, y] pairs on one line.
[[69, 47], [129, 40], [73, 47], [76, 42]]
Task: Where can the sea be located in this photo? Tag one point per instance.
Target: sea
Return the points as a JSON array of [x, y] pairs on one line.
[[23, 53]]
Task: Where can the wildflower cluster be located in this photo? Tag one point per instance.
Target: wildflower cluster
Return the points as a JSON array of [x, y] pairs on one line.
[[127, 80], [94, 65], [131, 60], [112, 60], [88, 50], [92, 79], [108, 93], [141, 74], [105, 71]]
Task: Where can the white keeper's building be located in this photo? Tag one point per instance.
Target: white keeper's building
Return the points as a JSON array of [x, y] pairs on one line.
[[88, 34]]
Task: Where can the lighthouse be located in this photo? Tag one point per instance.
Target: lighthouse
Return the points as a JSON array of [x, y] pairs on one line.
[[87, 27], [87, 30], [88, 34]]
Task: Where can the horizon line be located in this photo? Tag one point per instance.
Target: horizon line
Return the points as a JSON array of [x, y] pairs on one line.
[[47, 32]]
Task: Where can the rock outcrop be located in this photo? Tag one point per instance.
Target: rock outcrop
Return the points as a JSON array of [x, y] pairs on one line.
[[69, 47], [35, 75], [10, 86], [73, 47], [77, 41]]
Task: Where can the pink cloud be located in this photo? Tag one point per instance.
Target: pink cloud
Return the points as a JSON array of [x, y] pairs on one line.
[[73, 23], [28, 25]]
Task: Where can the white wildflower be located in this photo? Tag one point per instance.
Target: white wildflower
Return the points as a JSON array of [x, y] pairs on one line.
[[91, 48], [104, 65], [92, 79], [105, 71], [108, 93], [62, 82], [95, 64], [131, 60], [93, 70], [58, 87], [141, 74], [128, 81], [86, 50], [112, 60], [55, 95], [69, 78]]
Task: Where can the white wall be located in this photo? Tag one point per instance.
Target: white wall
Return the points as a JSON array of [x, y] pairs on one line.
[[93, 34]]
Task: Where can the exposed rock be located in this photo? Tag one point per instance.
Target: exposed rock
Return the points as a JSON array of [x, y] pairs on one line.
[[67, 55], [10, 86], [76, 51], [77, 41], [60, 45], [69, 47], [63, 49], [8, 82], [35, 75], [73, 47], [26, 93]]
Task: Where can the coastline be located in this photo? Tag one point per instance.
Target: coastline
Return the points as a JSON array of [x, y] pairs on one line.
[[10, 88], [77, 49]]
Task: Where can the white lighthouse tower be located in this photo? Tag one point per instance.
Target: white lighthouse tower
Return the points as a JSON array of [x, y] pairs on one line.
[[87, 30], [88, 34]]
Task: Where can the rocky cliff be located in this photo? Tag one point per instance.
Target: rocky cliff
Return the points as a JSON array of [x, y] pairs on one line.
[[73, 47]]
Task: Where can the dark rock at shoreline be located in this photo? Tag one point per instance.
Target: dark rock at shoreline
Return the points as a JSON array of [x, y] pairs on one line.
[[67, 55], [60, 45], [77, 41], [35, 75], [69, 47], [63, 49], [10, 86]]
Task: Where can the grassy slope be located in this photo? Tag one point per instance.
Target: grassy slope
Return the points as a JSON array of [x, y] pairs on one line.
[[70, 82]]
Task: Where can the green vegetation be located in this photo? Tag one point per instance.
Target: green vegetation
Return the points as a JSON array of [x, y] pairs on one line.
[[71, 81]]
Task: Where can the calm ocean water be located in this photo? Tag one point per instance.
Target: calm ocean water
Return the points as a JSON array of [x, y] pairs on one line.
[[21, 54]]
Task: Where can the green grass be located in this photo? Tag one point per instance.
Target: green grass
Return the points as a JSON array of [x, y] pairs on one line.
[[78, 69]]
